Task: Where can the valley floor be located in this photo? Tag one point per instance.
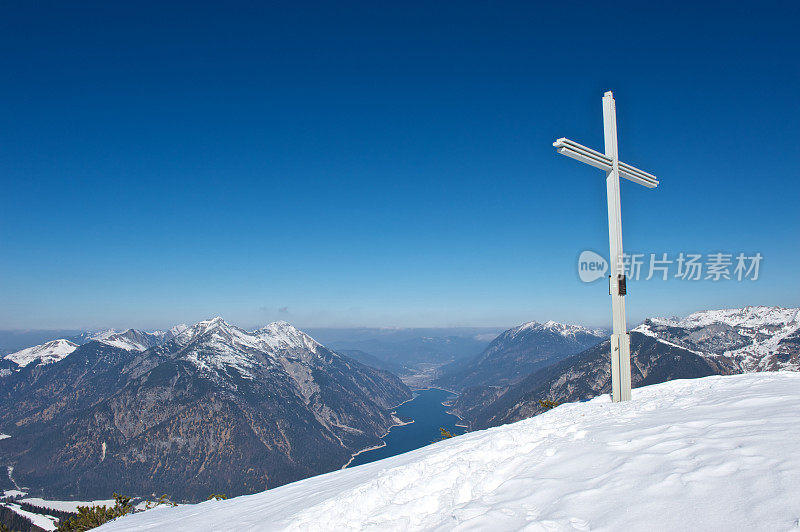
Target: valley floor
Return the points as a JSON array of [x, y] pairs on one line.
[[421, 376], [717, 453]]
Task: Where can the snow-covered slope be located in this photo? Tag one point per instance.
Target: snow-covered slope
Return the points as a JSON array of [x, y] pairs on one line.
[[718, 453], [65, 506], [749, 339], [46, 353], [42, 521]]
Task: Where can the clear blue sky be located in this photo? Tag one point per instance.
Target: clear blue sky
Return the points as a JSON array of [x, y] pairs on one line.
[[384, 163]]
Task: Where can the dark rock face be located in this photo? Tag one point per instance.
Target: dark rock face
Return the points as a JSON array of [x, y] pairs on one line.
[[471, 401], [516, 353], [213, 410], [713, 338]]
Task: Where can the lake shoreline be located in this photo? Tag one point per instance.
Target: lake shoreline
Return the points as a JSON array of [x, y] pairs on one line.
[[399, 423], [427, 412]]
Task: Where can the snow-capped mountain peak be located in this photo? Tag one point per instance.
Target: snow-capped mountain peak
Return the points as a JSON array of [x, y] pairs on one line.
[[517, 352], [178, 329], [528, 325], [104, 335], [46, 353], [101, 335], [216, 346], [276, 335], [283, 335], [171, 333], [209, 324], [565, 330], [189, 334], [571, 330]]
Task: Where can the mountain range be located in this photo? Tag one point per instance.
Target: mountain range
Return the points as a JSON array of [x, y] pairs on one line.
[[190, 411], [55, 350], [717, 342], [214, 408]]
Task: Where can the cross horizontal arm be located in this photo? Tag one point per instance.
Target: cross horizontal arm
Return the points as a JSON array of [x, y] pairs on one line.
[[594, 158]]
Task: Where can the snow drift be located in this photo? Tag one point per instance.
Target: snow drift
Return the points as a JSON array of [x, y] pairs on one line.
[[713, 453]]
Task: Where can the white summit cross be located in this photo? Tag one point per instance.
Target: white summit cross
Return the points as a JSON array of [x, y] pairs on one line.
[[620, 340]]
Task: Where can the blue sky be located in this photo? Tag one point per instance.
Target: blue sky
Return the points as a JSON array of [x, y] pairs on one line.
[[384, 163]]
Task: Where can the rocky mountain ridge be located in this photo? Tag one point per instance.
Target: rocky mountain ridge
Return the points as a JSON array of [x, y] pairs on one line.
[[55, 350], [212, 409], [750, 338], [517, 352]]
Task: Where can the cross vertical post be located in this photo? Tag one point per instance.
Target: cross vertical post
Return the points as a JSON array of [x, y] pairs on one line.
[[620, 340], [610, 163]]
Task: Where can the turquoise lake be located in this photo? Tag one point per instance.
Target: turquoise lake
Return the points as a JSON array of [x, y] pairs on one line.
[[428, 413]]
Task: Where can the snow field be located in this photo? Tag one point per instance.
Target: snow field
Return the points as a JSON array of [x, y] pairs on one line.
[[705, 454]]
